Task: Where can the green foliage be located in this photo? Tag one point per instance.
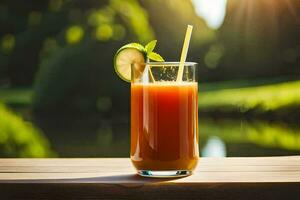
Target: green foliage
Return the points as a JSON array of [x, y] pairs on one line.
[[70, 73], [135, 16], [264, 98], [59, 75], [19, 138], [117, 18], [264, 134]]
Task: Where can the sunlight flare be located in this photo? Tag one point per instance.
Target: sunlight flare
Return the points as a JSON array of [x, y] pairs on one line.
[[212, 11]]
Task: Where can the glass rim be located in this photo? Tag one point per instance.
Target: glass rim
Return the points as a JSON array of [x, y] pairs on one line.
[[173, 64]]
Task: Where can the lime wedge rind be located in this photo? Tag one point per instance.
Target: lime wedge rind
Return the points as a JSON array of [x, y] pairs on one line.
[[134, 53], [127, 55]]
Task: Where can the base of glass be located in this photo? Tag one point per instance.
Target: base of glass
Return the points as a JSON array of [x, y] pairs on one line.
[[164, 174]]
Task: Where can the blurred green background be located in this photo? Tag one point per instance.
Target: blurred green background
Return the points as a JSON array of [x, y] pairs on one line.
[[60, 96]]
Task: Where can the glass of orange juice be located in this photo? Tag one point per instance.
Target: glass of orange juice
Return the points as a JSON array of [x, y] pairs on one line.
[[164, 119]]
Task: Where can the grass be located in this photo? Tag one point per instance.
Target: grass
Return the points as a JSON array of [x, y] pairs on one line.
[[264, 134], [263, 98], [243, 83], [16, 96]]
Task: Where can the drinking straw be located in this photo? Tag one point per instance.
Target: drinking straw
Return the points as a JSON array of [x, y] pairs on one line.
[[184, 52]]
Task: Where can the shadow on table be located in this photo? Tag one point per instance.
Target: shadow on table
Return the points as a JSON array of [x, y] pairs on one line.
[[126, 178]]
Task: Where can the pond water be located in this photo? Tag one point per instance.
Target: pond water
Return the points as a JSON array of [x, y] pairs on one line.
[[91, 136]]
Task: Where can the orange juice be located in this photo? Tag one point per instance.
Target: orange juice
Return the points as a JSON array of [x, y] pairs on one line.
[[164, 125]]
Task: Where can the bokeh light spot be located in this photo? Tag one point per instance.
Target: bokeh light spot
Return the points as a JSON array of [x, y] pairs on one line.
[[101, 16], [8, 43], [215, 147], [213, 56], [74, 34], [104, 32]]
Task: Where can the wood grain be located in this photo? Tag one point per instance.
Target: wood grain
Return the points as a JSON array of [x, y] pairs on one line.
[[115, 178]]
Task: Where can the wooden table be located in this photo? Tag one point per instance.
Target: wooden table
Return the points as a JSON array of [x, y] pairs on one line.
[[114, 178]]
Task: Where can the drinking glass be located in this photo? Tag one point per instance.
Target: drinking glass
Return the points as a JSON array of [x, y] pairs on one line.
[[164, 119]]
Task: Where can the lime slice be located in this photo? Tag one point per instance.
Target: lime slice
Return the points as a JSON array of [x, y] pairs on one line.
[[125, 57]]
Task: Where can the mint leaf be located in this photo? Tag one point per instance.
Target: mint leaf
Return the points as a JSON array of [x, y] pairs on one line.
[[150, 46], [155, 56]]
